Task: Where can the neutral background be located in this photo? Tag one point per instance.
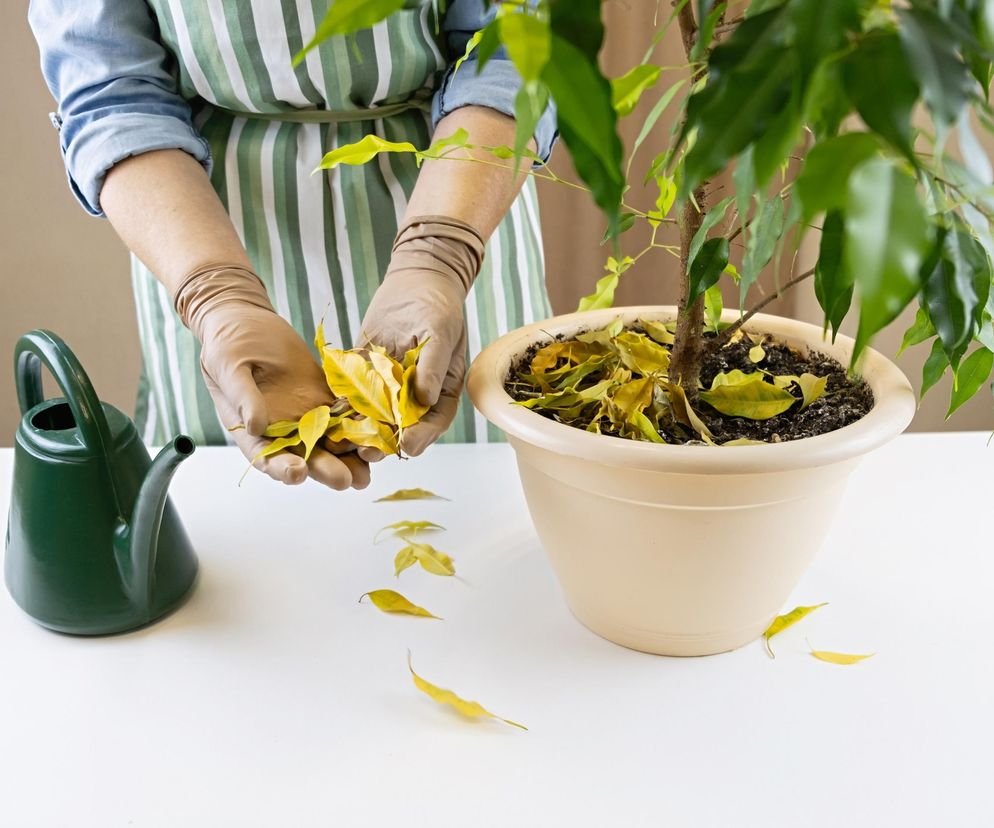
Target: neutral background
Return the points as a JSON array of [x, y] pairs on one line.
[[66, 271]]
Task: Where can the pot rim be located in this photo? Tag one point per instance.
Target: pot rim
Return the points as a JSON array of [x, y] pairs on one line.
[[894, 403]]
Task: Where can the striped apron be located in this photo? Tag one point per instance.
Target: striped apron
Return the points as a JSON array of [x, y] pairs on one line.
[[321, 243]]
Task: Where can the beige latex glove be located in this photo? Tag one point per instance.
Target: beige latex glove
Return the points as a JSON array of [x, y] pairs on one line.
[[259, 370], [434, 262]]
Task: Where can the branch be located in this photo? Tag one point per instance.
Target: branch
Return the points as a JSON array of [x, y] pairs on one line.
[[688, 26], [722, 339]]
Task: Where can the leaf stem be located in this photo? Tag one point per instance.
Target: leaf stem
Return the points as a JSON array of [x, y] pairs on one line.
[[723, 338]]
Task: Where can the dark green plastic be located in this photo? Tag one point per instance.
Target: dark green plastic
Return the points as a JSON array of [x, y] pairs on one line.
[[94, 546]]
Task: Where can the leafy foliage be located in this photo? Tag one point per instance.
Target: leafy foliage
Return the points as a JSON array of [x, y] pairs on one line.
[[900, 218]]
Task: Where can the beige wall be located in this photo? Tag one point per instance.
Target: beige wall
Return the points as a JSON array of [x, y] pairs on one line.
[[66, 271]]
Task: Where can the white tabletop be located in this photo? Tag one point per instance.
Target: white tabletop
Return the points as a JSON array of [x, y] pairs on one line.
[[274, 699]]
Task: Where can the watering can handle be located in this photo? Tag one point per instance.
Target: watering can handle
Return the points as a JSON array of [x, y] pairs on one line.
[[40, 346]]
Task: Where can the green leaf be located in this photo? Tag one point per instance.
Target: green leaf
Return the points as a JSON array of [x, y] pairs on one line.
[[931, 48], [826, 103], [362, 151], [933, 369], [920, 330], [886, 238], [471, 44], [603, 295], [705, 29], [754, 400], [587, 122], [833, 281], [821, 184], [751, 80], [973, 373], [764, 233], [711, 218], [349, 16], [880, 85], [707, 266], [744, 180], [529, 106], [656, 113], [528, 42], [951, 289], [626, 90], [713, 306]]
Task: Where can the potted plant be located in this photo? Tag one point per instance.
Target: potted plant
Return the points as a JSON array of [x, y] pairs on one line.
[[657, 445]]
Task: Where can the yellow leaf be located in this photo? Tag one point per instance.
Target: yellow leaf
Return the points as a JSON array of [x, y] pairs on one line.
[[744, 441], [757, 354], [782, 622], [278, 445], [410, 494], [365, 431], [390, 601], [755, 400], [641, 354], [683, 411], [840, 658], [281, 428], [785, 380], [391, 372], [572, 350], [404, 559], [349, 375], [471, 709], [409, 528], [631, 397], [410, 410], [658, 331], [735, 377], [411, 357], [362, 151], [644, 426], [602, 336], [313, 426], [812, 388], [431, 560]]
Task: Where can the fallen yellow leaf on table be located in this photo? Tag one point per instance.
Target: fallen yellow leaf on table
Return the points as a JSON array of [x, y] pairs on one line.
[[404, 559], [405, 528], [389, 601], [782, 622], [470, 709], [431, 560], [840, 658], [410, 494]]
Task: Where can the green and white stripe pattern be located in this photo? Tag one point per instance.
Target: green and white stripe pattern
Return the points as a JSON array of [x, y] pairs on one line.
[[320, 242]]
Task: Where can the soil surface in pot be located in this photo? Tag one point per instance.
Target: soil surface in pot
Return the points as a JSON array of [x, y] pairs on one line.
[[598, 400]]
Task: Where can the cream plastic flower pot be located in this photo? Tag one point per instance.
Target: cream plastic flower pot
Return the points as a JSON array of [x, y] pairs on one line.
[[681, 550]]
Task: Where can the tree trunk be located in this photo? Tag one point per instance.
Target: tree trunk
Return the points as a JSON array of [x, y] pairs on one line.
[[688, 350]]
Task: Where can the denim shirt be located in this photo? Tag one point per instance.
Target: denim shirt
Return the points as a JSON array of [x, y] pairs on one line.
[[117, 96]]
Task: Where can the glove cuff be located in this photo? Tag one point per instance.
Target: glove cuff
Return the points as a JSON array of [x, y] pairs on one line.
[[448, 241], [210, 286]]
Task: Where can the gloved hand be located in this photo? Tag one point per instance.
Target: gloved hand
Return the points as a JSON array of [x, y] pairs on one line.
[[259, 370], [434, 262]]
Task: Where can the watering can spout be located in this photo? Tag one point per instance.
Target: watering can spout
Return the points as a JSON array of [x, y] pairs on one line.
[[140, 536]]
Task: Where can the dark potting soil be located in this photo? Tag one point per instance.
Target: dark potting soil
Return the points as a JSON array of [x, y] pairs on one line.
[[845, 400]]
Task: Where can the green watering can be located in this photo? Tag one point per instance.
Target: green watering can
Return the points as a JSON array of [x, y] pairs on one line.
[[93, 544]]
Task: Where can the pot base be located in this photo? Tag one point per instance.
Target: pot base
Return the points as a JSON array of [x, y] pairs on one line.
[[665, 644]]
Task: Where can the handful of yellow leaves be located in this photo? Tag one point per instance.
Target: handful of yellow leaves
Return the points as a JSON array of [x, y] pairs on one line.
[[374, 403]]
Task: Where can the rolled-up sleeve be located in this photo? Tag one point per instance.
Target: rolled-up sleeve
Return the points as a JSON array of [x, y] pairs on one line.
[[496, 86], [115, 87]]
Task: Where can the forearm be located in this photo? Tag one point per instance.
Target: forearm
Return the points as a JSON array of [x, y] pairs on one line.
[[479, 194], [164, 209]]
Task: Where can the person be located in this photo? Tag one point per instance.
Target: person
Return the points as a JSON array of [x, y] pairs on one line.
[[185, 123]]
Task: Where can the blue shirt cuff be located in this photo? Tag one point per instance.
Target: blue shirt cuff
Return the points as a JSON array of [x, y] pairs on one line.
[[495, 87], [98, 144]]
